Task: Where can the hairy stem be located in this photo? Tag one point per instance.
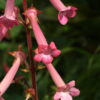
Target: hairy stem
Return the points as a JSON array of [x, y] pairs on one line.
[[32, 65], [32, 68]]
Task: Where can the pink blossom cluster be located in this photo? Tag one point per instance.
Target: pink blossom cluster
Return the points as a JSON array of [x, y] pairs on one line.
[[44, 52]]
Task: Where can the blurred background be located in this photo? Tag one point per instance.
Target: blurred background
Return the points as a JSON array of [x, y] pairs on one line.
[[79, 42]]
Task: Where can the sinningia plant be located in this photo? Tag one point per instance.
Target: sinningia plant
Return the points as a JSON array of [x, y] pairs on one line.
[[44, 53]]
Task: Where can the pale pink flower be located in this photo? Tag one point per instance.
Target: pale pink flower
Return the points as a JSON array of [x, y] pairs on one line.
[[65, 12], [45, 52], [8, 20], [65, 91], [62, 96], [5, 83], [9, 17]]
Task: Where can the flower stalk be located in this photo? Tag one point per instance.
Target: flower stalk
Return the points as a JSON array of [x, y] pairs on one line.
[[32, 64]]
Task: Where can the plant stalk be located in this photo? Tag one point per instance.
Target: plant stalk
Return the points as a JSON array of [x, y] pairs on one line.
[[32, 64]]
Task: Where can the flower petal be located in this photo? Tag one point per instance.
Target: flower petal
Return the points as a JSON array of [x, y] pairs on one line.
[[66, 96], [55, 53], [57, 96], [52, 45], [62, 96], [70, 11], [3, 31], [70, 84], [1, 98], [63, 19], [38, 57], [74, 92], [47, 59]]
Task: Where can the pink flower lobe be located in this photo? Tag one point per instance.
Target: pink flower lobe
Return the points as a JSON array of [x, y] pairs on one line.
[[3, 31], [7, 22], [67, 13], [46, 53]]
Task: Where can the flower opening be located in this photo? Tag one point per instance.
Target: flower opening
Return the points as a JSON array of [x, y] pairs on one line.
[[46, 53]]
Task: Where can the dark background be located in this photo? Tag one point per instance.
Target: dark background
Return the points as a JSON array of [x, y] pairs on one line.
[[79, 42]]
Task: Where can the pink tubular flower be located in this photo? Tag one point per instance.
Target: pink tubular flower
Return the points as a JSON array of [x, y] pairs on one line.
[[8, 20], [65, 91], [65, 12], [45, 52], [5, 83]]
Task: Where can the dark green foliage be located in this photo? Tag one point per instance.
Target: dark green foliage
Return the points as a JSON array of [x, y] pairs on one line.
[[79, 41]]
